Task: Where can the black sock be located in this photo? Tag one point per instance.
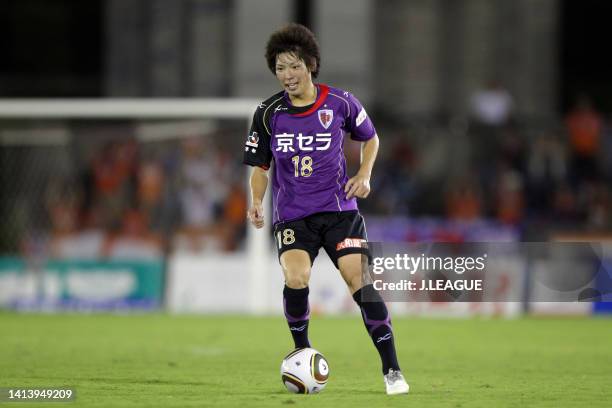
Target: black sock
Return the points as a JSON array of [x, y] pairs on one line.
[[297, 312], [378, 323]]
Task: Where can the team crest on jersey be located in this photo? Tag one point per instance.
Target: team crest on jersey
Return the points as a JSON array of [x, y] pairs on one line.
[[325, 117]]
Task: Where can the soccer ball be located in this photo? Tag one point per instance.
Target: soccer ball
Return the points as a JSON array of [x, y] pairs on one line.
[[304, 371]]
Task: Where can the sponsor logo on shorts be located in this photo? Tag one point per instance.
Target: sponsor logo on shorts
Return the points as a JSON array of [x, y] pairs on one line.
[[351, 243]]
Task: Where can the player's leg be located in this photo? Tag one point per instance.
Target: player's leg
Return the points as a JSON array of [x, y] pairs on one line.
[[373, 310], [296, 268], [376, 319], [344, 243], [297, 246]]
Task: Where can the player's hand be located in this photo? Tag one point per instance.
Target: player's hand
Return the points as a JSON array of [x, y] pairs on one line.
[[255, 214], [358, 186]]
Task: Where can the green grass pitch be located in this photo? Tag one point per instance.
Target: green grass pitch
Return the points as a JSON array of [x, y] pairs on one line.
[[228, 361]]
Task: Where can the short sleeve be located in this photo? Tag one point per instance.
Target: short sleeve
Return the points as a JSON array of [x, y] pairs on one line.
[[257, 146], [358, 122]]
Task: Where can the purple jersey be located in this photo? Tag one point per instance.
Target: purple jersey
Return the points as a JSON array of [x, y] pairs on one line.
[[306, 143]]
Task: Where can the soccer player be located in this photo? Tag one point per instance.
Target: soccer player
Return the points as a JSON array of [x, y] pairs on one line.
[[302, 130]]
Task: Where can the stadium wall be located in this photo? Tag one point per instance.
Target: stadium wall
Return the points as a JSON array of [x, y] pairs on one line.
[[81, 285], [220, 284]]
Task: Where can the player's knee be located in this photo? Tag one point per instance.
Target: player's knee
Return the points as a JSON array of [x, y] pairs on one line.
[[297, 277], [350, 269], [296, 282], [354, 282]]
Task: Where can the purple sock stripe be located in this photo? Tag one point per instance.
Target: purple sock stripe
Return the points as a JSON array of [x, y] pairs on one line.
[[375, 324], [292, 319]]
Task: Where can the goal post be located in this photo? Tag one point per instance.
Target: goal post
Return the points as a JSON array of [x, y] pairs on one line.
[[258, 243], [126, 108]]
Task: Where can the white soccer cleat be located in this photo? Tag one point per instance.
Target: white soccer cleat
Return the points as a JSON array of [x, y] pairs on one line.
[[395, 383]]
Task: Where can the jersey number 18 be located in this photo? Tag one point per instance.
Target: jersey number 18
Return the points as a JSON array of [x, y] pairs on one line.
[[302, 167]]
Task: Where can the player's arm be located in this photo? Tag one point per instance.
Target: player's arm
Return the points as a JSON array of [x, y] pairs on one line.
[[257, 153], [361, 128], [359, 185], [259, 184]]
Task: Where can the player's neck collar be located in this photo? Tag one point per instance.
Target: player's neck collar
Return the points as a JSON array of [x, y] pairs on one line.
[[312, 92], [322, 91]]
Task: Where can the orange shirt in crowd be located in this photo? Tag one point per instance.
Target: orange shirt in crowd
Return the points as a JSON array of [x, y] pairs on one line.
[[584, 127]]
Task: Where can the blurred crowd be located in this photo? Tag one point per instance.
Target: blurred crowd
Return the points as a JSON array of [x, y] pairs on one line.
[[542, 178], [135, 200]]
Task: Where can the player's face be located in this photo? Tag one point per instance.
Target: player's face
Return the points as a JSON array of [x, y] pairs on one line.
[[293, 74]]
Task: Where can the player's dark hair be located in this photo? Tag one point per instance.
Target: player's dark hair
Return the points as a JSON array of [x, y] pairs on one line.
[[296, 39]]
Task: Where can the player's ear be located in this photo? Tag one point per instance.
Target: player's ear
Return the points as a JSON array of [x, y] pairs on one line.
[[313, 67]]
